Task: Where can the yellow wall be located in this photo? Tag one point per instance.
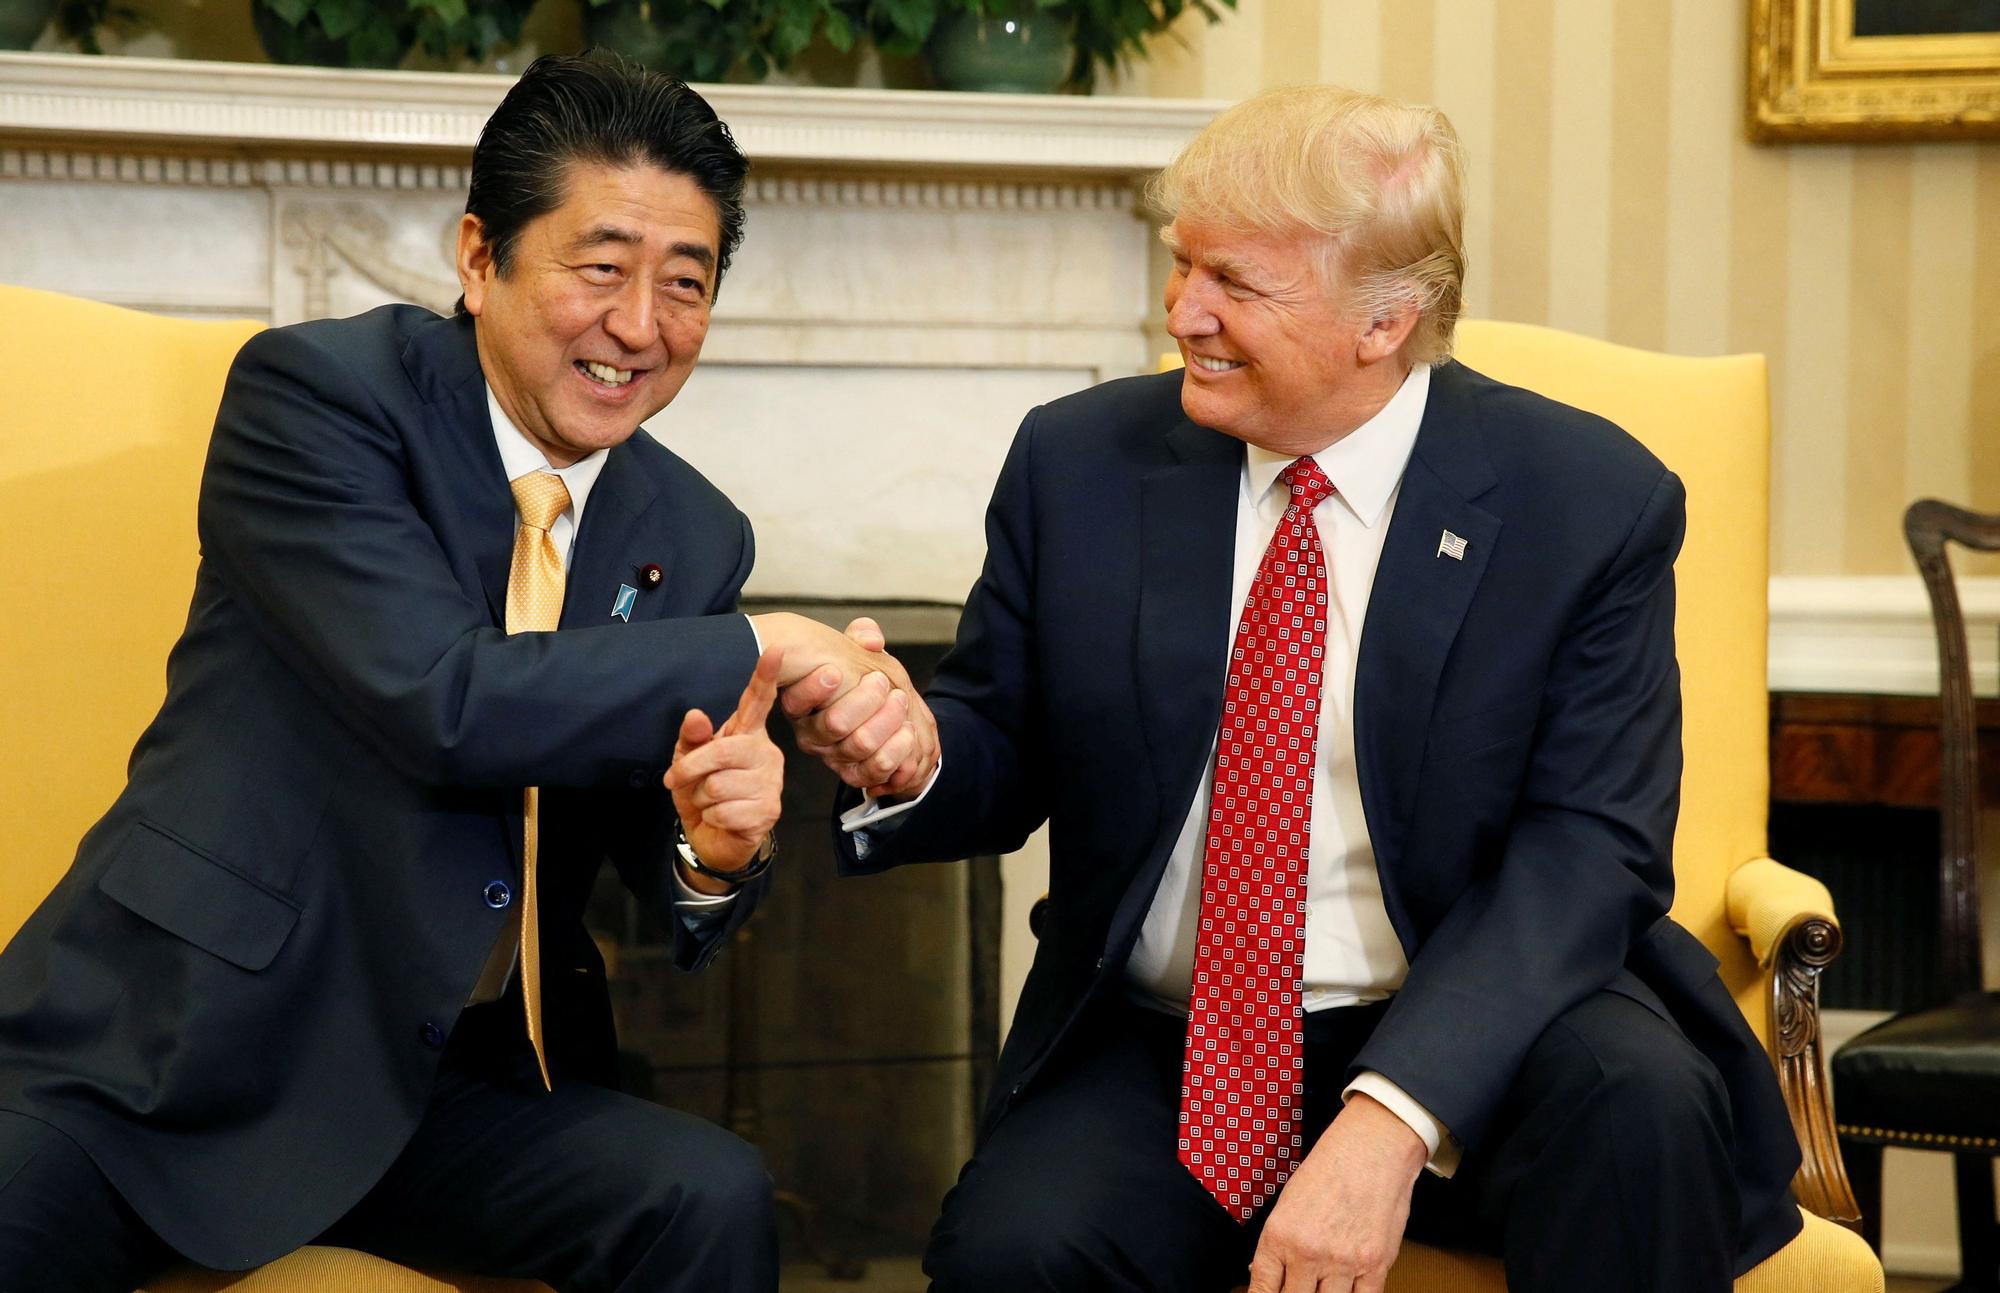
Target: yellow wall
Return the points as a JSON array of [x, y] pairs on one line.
[[1613, 193]]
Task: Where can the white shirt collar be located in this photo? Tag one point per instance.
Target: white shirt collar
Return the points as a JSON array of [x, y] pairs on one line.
[[1366, 464], [519, 457]]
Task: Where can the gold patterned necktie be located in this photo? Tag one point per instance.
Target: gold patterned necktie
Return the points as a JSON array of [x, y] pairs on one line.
[[534, 605]]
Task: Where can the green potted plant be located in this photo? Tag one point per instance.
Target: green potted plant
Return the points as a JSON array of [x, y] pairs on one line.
[[710, 40], [1015, 45], [377, 33]]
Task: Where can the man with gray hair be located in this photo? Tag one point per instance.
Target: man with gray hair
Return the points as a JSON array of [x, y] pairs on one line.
[[1345, 678]]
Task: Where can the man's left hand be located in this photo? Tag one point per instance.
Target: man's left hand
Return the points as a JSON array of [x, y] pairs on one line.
[[728, 783], [1338, 1223]]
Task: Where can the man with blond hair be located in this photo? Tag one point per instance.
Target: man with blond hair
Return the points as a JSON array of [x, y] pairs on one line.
[[1345, 678]]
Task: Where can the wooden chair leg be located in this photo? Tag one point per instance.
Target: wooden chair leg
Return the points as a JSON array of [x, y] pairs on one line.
[[1864, 1173], [1978, 1231]]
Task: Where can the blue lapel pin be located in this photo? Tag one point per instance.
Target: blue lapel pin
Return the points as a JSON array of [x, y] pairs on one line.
[[622, 608]]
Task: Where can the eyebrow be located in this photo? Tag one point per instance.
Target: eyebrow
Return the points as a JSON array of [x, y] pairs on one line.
[[1234, 266], [598, 235]]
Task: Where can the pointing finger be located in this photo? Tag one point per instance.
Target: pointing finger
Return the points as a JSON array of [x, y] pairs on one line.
[[755, 706]]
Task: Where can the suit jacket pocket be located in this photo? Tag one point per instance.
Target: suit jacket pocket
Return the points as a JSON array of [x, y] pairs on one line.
[[192, 896]]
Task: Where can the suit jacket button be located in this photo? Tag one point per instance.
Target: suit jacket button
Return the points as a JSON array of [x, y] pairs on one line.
[[431, 1035], [640, 779], [498, 895]]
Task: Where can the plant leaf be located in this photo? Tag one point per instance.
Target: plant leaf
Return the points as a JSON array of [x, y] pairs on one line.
[[340, 18], [372, 46], [447, 11], [912, 19], [839, 31], [292, 11]]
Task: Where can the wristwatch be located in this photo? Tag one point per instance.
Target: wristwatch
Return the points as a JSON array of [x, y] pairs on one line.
[[758, 864]]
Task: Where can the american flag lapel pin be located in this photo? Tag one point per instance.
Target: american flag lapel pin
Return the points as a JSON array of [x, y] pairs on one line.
[[1450, 545]]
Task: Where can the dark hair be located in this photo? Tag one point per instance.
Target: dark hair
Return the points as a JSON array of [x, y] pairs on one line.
[[597, 107]]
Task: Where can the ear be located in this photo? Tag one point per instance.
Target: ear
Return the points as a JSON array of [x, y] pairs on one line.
[[1385, 334], [474, 262]]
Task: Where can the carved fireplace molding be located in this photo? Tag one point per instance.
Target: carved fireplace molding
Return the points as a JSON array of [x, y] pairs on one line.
[[180, 104]]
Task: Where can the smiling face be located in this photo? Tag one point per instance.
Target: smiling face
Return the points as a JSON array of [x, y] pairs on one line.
[[600, 316], [1275, 355]]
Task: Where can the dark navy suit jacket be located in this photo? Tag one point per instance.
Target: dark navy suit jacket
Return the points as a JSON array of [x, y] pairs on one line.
[[236, 998], [1517, 732]]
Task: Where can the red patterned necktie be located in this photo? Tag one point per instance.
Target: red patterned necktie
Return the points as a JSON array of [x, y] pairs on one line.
[[1241, 1081]]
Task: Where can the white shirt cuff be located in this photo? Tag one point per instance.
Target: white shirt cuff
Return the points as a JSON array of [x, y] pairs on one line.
[[755, 636], [1444, 1151], [689, 898], [871, 811]]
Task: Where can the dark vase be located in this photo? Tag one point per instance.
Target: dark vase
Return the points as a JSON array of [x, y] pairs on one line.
[[21, 21], [380, 43], [1017, 49]]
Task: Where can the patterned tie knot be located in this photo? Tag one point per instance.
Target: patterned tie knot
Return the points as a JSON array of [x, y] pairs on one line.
[[541, 497], [1308, 483]]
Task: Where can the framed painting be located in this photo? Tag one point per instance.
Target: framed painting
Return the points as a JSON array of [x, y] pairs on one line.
[[1874, 69]]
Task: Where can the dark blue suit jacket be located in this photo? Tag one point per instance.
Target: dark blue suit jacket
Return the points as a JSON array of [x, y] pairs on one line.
[[1517, 731], [235, 999]]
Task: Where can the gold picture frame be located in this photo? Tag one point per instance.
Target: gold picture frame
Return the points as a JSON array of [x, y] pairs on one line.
[[1812, 77]]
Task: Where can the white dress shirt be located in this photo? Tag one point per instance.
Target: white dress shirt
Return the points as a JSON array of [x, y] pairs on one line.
[[1352, 954]]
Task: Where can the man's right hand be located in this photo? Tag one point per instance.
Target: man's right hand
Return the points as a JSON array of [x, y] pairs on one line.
[[836, 660], [877, 735]]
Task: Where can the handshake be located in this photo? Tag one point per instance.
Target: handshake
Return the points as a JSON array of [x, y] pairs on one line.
[[851, 704]]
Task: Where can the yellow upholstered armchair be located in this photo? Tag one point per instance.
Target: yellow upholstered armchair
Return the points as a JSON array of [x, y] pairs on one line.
[[98, 479], [1772, 928]]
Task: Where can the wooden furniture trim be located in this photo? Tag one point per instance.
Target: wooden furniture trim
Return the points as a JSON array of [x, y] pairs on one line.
[[1808, 945], [1928, 525]]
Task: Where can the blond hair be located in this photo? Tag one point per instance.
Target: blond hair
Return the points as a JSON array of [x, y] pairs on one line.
[[1379, 182]]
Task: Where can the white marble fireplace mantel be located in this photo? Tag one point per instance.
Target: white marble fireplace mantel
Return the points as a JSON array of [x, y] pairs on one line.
[[168, 101]]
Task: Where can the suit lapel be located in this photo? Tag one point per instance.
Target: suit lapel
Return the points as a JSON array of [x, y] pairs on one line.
[[1187, 546], [1419, 599], [442, 361], [603, 556]]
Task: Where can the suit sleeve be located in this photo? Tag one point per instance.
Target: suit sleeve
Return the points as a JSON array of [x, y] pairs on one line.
[[991, 792], [1587, 866], [306, 515], [645, 857]]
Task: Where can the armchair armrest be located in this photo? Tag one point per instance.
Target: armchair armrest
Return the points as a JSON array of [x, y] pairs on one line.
[[1789, 921], [1765, 897]]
